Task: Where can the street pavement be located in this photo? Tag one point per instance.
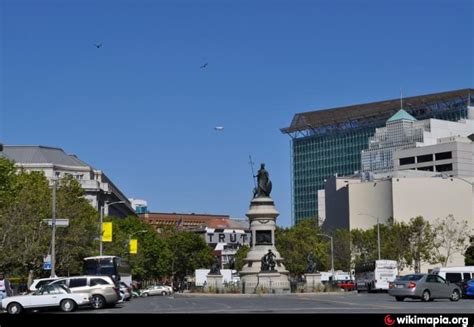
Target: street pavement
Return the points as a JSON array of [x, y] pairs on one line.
[[292, 303]]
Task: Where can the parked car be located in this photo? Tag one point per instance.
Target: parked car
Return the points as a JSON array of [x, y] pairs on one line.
[[125, 292], [468, 288], [157, 290], [38, 283], [346, 285], [102, 289], [48, 296], [425, 287]]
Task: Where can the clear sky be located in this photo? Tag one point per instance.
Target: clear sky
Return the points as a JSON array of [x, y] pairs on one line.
[[141, 109]]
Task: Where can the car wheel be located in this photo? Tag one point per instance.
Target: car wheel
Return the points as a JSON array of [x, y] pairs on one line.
[[14, 308], [426, 296], [68, 305], [399, 298], [455, 296], [145, 294], [97, 301], [163, 293]]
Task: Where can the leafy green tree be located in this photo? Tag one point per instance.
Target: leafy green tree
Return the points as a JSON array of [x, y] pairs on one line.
[[342, 249], [297, 242], [77, 241], [451, 237], [24, 239], [240, 256], [396, 243], [469, 256], [422, 244]]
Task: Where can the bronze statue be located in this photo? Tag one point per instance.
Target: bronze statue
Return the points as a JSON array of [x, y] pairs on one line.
[[215, 268], [264, 184], [311, 268], [268, 262]]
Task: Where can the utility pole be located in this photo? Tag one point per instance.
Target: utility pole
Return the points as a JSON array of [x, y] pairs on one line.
[[378, 236], [53, 236], [101, 230]]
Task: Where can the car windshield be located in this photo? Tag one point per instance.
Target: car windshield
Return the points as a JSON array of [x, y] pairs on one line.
[[411, 277]]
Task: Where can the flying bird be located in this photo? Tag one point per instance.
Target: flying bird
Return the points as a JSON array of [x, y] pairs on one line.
[[204, 66], [219, 128], [98, 45]]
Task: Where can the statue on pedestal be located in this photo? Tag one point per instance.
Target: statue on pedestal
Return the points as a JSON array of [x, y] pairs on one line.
[[311, 268], [264, 184], [215, 268], [268, 262]]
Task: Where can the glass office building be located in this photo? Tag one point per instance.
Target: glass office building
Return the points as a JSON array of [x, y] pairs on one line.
[[329, 142]]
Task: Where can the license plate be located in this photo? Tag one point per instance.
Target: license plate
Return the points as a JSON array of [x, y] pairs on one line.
[[399, 286]]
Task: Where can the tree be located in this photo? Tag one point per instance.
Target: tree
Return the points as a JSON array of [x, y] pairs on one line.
[[396, 243], [297, 242], [240, 255], [75, 242], [422, 245], [469, 256], [451, 237], [342, 249]]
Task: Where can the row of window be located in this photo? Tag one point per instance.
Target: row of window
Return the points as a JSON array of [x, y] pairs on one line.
[[426, 158]]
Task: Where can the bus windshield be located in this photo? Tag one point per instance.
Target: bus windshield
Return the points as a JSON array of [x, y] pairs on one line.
[[102, 265]]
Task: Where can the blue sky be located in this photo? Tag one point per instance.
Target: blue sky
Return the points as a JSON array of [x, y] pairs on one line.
[[141, 109]]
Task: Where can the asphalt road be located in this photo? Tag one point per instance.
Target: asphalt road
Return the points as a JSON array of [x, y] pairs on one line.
[[292, 303]]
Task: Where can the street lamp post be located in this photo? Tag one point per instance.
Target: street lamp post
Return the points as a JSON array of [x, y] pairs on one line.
[[53, 233], [378, 231], [332, 252], [102, 220]]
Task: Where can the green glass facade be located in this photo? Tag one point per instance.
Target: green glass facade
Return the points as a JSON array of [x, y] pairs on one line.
[[321, 152]]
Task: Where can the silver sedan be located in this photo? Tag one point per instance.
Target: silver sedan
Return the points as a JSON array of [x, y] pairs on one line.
[[424, 287]]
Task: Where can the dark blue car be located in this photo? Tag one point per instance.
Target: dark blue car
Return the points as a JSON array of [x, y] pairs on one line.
[[468, 288]]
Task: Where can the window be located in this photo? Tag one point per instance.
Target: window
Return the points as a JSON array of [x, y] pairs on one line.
[[453, 277], [77, 282], [407, 161], [426, 168], [98, 281], [443, 155], [446, 167], [425, 158], [466, 276]]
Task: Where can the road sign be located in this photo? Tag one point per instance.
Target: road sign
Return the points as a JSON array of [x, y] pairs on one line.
[[47, 266], [59, 222]]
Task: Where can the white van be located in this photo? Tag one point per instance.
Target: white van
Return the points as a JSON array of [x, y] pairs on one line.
[[455, 274]]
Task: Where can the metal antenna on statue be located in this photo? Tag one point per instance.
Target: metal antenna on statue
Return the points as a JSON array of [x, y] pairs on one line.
[[251, 167]]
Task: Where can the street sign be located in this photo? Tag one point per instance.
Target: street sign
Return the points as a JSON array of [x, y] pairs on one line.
[[59, 222], [47, 266]]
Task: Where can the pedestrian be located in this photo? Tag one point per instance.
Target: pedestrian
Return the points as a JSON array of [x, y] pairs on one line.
[[5, 287]]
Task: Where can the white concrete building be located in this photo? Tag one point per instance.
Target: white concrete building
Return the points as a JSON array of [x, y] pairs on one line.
[[55, 163]]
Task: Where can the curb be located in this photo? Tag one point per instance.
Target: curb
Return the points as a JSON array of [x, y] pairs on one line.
[[178, 295]]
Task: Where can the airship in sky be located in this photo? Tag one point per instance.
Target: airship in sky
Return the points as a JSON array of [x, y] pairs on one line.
[[219, 128]]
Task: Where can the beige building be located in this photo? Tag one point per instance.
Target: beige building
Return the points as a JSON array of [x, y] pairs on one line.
[[353, 203]]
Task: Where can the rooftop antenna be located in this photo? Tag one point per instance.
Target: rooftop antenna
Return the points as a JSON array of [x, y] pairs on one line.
[[401, 98]]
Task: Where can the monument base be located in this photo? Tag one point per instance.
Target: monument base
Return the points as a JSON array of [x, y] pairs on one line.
[[266, 283], [313, 282], [214, 283]]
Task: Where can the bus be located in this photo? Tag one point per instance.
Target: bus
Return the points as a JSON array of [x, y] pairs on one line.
[[108, 265], [375, 275]]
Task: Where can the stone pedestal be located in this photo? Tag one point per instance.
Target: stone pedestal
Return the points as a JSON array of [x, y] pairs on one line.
[[262, 215], [313, 282], [214, 283]]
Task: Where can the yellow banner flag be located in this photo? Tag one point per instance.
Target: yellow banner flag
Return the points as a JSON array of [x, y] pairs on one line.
[[106, 232], [133, 246]]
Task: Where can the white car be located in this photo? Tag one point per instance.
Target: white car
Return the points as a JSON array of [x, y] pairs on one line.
[[157, 290], [38, 283], [48, 296]]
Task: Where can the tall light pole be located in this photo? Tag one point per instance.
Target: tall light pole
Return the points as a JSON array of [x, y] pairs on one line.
[[378, 231], [53, 233], [102, 220], [332, 252]]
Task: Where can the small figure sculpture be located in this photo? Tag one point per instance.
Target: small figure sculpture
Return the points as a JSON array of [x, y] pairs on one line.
[[264, 184], [215, 268], [268, 262], [311, 268]]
